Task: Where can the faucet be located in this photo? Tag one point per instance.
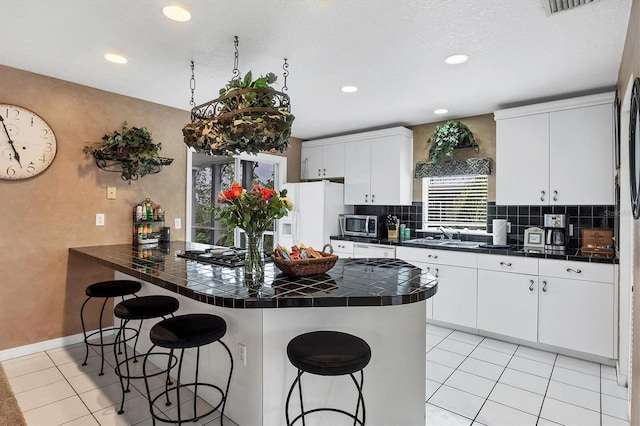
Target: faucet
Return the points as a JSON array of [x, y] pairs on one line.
[[446, 233]]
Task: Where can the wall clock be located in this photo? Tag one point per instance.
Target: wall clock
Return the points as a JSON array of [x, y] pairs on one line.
[[27, 143]]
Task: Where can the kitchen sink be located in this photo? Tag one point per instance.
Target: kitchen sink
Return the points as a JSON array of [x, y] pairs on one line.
[[444, 243]]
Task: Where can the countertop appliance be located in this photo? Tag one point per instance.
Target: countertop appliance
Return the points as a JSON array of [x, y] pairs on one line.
[[316, 206], [356, 225], [555, 228], [534, 240], [221, 256]]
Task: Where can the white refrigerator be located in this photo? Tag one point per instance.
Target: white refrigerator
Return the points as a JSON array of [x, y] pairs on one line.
[[316, 206]]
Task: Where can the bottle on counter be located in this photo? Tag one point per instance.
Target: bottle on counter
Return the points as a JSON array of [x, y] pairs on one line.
[[140, 231], [160, 213], [149, 212], [138, 212]]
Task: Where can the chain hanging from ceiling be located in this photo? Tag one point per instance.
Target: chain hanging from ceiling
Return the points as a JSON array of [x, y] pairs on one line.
[[248, 116]]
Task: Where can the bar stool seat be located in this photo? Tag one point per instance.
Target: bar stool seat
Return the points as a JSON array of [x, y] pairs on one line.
[[139, 308], [328, 353], [185, 332], [104, 290]]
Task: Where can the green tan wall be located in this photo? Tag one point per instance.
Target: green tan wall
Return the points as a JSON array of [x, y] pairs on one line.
[[41, 289]]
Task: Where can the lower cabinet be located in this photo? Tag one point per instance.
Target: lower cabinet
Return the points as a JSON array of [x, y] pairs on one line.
[[455, 301], [508, 304], [342, 248], [373, 250], [576, 314]]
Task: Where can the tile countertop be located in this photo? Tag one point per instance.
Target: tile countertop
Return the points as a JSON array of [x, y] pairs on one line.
[[514, 250], [351, 282]]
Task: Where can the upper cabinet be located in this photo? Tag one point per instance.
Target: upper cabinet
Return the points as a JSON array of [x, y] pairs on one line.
[[380, 168], [322, 159], [557, 152]]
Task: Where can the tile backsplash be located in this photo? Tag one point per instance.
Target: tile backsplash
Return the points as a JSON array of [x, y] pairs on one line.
[[521, 217]]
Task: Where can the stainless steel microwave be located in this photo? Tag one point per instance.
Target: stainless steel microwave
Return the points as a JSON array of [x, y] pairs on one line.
[[357, 225]]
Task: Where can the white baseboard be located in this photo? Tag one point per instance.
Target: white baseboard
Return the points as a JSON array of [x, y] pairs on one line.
[[44, 346]]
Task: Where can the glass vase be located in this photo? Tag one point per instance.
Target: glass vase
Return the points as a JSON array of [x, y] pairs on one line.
[[254, 259]]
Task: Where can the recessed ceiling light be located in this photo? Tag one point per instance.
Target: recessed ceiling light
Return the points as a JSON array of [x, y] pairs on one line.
[[116, 59], [176, 13], [440, 111], [456, 59], [349, 89]]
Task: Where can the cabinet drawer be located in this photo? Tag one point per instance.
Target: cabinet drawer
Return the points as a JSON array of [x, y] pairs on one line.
[[343, 246], [438, 257], [586, 271], [520, 265]]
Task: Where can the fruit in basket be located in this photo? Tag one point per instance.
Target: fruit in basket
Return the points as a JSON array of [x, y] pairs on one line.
[[297, 253]]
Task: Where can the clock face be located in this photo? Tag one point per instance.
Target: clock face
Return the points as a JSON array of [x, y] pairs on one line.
[[27, 143]]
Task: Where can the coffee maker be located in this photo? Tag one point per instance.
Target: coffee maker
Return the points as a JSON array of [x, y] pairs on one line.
[[555, 233]]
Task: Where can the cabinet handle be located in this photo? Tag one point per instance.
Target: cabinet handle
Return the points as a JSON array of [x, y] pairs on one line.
[[437, 272], [542, 194], [544, 286], [555, 195], [577, 271], [505, 263], [432, 256], [319, 172], [324, 172], [531, 286], [373, 199]]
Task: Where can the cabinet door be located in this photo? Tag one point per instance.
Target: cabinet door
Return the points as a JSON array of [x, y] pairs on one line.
[[357, 177], [576, 315], [311, 167], [333, 161], [391, 171], [455, 301], [508, 304], [581, 155], [522, 160]]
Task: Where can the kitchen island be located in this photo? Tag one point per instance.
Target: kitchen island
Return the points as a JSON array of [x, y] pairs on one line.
[[380, 300]]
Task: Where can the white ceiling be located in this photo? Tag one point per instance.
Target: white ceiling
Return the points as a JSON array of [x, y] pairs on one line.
[[393, 50]]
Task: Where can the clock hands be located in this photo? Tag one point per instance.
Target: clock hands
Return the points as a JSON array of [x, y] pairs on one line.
[[15, 152]]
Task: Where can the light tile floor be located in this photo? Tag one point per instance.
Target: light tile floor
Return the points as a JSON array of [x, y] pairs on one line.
[[471, 380], [53, 388]]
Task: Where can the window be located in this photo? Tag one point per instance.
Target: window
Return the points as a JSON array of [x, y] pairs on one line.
[[455, 202], [212, 174]]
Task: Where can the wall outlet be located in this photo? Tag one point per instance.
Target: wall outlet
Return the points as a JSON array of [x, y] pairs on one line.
[[111, 192], [99, 219], [508, 227], [177, 223], [242, 353]]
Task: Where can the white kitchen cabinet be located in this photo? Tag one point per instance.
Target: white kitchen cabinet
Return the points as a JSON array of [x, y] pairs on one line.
[[558, 152], [361, 250], [322, 160], [508, 296], [508, 304], [342, 249], [380, 168], [456, 299], [576, 308]]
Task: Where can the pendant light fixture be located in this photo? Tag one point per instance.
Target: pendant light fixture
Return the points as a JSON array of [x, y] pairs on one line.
[[248, 116]]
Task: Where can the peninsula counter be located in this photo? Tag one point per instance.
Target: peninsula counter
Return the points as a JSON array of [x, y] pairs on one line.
[[379, 300]]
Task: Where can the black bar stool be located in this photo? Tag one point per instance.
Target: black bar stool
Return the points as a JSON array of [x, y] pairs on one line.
[[138, 308], [184, 332], [105, 290], [328, 353]]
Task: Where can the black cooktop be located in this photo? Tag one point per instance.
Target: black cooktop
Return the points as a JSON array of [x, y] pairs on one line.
[[224, 256]]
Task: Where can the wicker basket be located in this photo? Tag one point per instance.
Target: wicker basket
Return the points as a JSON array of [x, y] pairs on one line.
[[304, 267]]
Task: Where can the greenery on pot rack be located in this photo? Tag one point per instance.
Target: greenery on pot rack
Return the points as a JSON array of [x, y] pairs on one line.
[[129, 151], [449, 136], [248, 116]]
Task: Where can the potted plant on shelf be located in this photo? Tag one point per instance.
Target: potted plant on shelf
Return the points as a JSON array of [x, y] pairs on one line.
[[130, 151], [248, 116], [447, 137]]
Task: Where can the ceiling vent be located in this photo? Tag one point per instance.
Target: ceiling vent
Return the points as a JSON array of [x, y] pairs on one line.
[[555, 6]]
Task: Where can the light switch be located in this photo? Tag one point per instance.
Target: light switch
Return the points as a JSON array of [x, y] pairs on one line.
[[111, 192], [99, 219], [177, 223]]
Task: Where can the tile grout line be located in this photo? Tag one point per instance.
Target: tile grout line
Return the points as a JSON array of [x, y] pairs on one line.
[[544, 397]]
